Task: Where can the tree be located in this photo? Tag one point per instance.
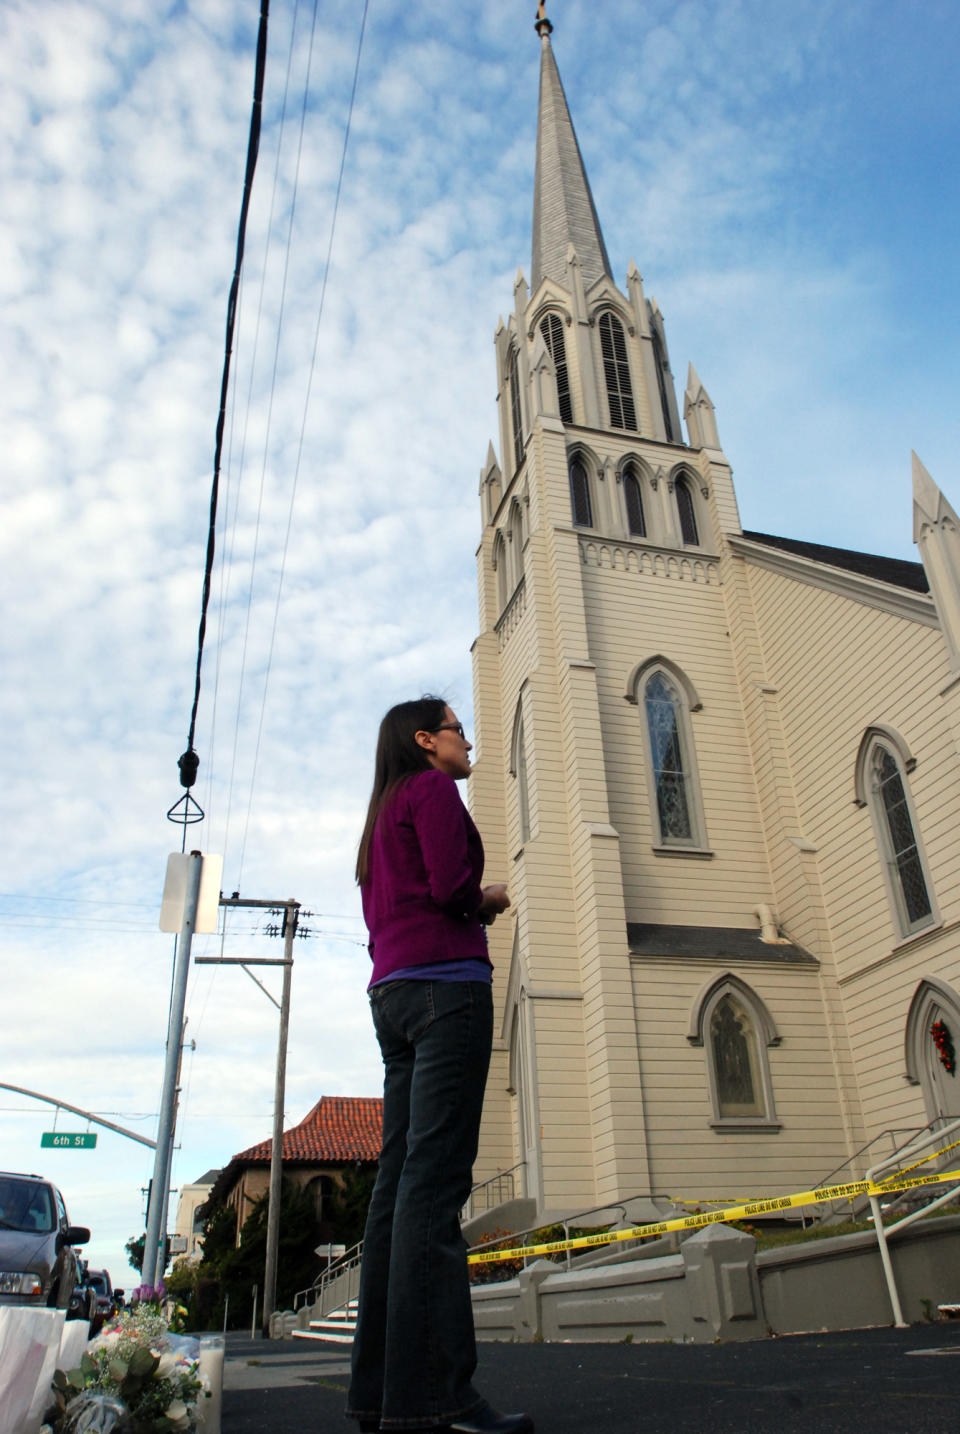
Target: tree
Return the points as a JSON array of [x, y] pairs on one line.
[[230, 1271], [134, 1249]]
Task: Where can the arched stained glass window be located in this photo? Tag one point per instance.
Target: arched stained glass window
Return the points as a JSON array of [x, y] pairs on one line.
[[523, 794], [664, 713], [686, 513], [636, 525], [736, 1030], [736, 1060], [580, 494], [616, 373], [516, 416], [551, 328], [902, 850]]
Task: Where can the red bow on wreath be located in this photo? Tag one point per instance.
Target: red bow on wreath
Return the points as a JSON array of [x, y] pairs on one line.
[[943, 1041]]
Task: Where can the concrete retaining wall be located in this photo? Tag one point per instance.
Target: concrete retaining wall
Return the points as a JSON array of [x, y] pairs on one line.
[[717, 1287]]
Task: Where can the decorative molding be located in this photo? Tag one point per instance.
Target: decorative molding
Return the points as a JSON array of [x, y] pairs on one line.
[[647, 560], [900, 602]]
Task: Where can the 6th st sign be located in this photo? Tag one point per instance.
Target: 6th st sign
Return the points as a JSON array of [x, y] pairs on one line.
[[64, 1140]]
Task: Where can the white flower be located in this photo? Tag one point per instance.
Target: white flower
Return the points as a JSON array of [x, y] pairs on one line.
[[176, 1412], [166, 1367]]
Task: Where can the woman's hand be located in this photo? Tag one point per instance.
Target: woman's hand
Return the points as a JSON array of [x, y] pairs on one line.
[[495, 900]]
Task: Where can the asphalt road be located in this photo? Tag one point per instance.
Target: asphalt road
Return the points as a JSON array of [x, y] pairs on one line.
[[879, 1381]]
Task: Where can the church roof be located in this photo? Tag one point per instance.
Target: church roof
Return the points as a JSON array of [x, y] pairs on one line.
[[338, 1128], [714, 943], [563, 208], [898, 571]]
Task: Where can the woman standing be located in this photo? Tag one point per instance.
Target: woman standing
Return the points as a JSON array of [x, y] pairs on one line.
[[419, 868]]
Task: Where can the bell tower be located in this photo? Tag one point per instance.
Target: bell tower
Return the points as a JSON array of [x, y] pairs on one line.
[[613, 782]]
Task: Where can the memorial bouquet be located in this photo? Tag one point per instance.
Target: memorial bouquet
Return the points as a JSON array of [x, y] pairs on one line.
[[135, 1377]]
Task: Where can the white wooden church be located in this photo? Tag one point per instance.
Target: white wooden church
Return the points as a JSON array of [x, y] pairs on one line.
[[719, 767]]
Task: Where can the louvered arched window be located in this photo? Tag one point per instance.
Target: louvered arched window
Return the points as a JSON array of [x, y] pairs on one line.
[[660, 364], [616, 373], [504, 587], [636, 524], [551, 328], [580, 494], [687, 514], [516, 416]]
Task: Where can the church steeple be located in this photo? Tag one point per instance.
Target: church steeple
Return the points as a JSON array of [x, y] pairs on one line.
[[563, 210]]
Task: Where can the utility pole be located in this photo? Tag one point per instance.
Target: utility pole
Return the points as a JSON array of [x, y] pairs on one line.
[[276, 1150], [160, 1186], [291, 911]]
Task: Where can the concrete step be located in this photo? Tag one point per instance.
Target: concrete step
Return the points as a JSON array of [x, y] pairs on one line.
[[337, 1327]]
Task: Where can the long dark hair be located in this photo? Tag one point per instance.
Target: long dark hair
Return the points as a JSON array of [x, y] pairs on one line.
[[399, 756]]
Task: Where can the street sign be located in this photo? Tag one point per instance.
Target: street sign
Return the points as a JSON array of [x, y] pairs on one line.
[[63, 1140]]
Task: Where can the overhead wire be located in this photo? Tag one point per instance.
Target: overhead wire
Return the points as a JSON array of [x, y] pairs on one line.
[[189, 761], [303, 422], [249, 401]]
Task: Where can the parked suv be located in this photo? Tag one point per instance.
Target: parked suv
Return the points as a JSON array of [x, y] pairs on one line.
[[38, 1265]]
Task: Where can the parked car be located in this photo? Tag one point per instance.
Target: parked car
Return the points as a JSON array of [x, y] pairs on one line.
[[83, 1301], [38, 1264], [109, 1300]]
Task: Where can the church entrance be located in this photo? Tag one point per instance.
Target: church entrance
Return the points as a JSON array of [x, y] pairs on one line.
[[933, 1048]]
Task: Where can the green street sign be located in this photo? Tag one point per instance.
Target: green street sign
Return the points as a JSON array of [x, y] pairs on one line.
[[62, 1140]]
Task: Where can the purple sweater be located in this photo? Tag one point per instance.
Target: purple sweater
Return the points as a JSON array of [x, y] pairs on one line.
[[423, 895]]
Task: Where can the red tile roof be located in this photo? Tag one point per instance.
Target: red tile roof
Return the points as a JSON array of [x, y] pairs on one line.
[[339, 1128]]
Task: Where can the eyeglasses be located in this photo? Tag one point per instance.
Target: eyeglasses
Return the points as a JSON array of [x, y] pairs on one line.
[[451, 727]]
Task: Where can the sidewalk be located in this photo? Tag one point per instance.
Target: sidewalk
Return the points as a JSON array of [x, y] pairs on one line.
[[880, 1381]]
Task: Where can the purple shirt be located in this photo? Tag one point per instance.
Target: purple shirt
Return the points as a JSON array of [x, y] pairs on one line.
[[423, 895]]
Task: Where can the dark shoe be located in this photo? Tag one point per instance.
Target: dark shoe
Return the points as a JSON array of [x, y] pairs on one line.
[[486, 1420]]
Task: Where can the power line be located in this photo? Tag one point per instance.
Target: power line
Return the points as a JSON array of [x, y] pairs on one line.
[[189, 761], [303, 422]]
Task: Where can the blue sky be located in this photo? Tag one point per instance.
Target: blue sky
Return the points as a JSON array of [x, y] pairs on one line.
[[783, 177]]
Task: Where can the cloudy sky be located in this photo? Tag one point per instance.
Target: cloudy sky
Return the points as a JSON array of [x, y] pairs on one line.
[[783, 175]]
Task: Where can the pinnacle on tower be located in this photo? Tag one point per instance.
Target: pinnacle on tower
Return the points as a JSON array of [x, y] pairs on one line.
[[563, 208]]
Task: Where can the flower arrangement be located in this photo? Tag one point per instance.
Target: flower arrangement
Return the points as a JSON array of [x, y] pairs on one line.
[[134, 1377], [943, 1041]]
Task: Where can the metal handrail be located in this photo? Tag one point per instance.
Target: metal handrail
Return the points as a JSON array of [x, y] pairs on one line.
[[883, 1232], [468, 1211], [315, 1292]]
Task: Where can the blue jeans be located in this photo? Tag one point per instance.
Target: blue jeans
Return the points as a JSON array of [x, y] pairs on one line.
[[414, 1353]]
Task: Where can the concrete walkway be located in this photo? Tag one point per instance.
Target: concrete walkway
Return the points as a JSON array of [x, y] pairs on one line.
[[880, 1381]]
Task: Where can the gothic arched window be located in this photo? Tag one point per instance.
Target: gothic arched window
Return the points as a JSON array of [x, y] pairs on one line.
[[551, 328], [516, 416], [686, 513], [580, 494], [674, 790], [636, 524], [660, 364], [518, 769], [503, 576], [736, 1030], [882, 783], [616, 373]]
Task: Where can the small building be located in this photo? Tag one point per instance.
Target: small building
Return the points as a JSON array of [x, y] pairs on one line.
[[188, 1230], [341, 1133]]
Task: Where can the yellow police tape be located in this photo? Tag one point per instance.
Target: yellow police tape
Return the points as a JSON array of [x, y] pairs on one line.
[[824, 1195]]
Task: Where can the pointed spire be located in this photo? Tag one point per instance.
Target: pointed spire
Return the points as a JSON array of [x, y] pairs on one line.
[[563, 208], [928, 501]]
